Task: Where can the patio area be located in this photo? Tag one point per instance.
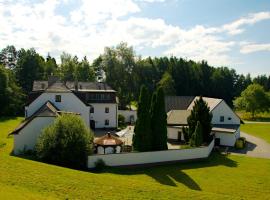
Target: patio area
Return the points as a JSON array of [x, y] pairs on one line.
[[126, 136]]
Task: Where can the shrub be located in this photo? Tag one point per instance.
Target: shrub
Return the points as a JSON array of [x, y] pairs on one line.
[[99, 165], [67, 142], [121, 121], [240, 143], [197, 137]]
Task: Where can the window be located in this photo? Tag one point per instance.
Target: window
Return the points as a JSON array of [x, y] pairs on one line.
[[221, 119], [229, 118], [107, 122], [57, 98], [107, 110], [92, 110]]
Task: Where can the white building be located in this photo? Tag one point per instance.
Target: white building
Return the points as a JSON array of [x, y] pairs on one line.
[[95, 102], [226, 124]]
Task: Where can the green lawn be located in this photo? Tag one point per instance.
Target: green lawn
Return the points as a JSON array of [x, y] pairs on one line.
[[218, 177], [257, 129]]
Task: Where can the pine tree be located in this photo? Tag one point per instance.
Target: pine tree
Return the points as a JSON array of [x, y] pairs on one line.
[[142, 130], [197, 137], [159, 121], [201, 112]]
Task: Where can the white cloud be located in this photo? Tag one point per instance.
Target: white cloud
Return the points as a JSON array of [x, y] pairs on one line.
[[87, 29], [235, 27], [250, 48]]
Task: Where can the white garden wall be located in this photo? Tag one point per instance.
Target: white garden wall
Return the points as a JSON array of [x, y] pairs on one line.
[[125, 159], [27, 137]]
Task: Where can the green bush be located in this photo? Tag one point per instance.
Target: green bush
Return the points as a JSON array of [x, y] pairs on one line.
[[99, 165], [121, 121], [67, 142], [240, 143]]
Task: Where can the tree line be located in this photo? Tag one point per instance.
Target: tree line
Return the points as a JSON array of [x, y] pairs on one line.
[[125, 72]]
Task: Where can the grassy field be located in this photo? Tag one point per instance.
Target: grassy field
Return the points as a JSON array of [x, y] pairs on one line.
[[257, 129], [219, 177], [260, 117]]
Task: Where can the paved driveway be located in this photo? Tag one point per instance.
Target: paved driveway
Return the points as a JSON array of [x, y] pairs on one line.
[[256, 147]]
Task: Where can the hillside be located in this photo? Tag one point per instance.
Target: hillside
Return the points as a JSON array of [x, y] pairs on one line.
[[218, 177]]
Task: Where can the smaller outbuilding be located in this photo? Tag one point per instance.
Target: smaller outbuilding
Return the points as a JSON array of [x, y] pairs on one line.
[[225, 122], [108, 144]]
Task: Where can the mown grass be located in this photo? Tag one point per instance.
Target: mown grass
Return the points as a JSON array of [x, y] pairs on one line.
[[260, 130], [219, 177]]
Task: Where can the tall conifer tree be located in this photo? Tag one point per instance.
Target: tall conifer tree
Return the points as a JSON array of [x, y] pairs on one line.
[[200, 112], [159, 121], [142, 132]]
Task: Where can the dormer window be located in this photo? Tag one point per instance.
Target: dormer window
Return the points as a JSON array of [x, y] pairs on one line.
[[57, 98]]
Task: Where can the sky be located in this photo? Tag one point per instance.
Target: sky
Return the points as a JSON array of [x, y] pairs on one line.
[[232, 33]]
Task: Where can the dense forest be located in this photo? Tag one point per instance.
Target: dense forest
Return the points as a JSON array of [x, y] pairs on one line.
[[125, 72]]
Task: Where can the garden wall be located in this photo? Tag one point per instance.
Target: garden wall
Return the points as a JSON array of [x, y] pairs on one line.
[[140, 158]]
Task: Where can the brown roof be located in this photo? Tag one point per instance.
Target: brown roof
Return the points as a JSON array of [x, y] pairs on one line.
[[46, 110], [108, 140], [177, 102], [58, 87], [70, 85], [177, 117]]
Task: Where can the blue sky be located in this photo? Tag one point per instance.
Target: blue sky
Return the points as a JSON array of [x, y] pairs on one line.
[[224, 32]]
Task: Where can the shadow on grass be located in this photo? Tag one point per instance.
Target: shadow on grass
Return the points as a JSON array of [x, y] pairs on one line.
[[249, 147], [171, 173]]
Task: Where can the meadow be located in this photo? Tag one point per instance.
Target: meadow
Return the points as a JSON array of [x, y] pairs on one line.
[[261, 130], [218, 177]]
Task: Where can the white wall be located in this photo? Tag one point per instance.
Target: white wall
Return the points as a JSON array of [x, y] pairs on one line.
[[69, 102], [224, 110], [127, 114], [151, 157], [172, 133], [27, 137], [99, 115], [228, 139]]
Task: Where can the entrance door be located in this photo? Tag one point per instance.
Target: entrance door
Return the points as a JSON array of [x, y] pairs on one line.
[[92, 124], [179, 136]]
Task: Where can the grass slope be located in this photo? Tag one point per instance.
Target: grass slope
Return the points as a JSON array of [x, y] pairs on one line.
[[260, 130], [218, 177]]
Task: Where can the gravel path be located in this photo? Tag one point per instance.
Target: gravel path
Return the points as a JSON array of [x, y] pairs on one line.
[[256, 147]]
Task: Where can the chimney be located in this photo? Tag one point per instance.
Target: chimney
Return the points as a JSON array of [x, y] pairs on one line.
[[52, 80]]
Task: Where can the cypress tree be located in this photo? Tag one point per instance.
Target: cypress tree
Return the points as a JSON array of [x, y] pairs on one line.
[[196, 138], [159, 121], [142, 130], [200, 112]]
